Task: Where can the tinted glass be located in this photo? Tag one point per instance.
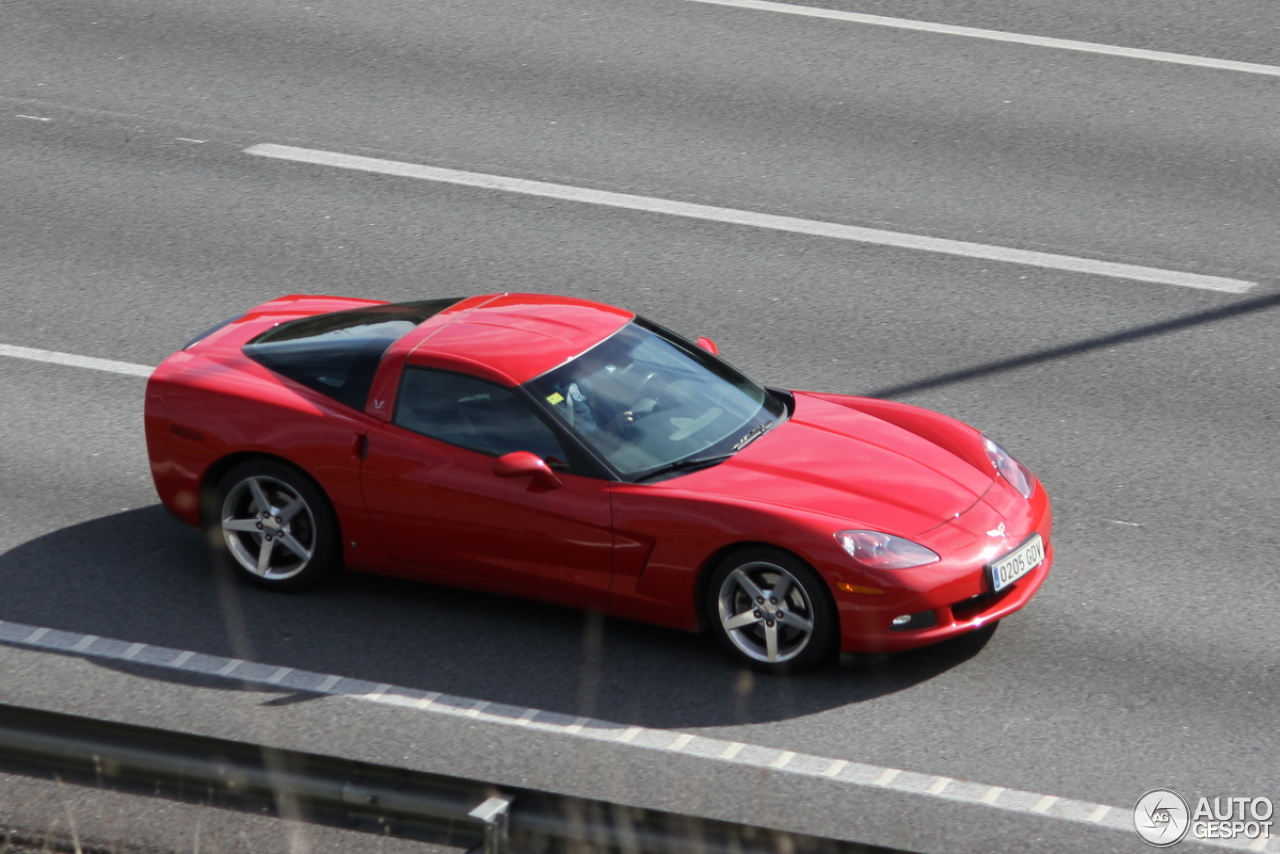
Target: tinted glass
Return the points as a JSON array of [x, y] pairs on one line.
[[472, 414], [338, 353], [644, 399]]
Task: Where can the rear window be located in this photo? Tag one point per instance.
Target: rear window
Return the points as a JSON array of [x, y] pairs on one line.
[[337, 354]]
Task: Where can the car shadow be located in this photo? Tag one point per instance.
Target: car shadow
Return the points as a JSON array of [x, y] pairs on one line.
[[140, 576], [1267, 302]]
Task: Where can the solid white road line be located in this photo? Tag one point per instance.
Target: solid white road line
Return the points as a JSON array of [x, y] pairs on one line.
[[795, 225], [109, 365], [1000, 36]]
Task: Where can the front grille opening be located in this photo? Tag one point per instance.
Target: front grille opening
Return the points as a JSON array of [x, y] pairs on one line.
[[966, 609]]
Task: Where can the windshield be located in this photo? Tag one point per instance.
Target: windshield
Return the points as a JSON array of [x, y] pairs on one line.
[[645, 399]]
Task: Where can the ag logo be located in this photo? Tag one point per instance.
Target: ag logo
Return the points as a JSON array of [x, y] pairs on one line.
[[1161, 817]]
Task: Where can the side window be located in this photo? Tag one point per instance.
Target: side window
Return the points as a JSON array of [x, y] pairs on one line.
[[474, 414]]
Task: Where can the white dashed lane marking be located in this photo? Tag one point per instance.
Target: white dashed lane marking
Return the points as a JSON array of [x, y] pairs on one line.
[[1044, 803], [85, 643], [886, 777], [771, 760], [680, 742], [33, 354], [783, 760], [731, 750], [795, 225], [938, 785], [1001, 36]]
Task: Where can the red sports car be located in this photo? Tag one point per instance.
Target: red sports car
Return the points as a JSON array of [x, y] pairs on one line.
[[570, 451]]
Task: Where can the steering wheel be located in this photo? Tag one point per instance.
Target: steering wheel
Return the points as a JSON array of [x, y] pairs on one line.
[[651, 388]]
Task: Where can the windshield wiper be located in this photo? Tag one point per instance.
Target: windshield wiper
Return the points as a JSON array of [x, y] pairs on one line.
[[754, 434], [682, 465]]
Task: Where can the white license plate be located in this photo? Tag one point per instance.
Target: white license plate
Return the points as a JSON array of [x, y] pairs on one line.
[[1017, 563]]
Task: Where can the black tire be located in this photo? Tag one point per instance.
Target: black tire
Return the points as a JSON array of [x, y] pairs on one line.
[[743, 614], [298, 528]]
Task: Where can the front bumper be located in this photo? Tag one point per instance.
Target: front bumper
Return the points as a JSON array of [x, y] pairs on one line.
[[953, 597]]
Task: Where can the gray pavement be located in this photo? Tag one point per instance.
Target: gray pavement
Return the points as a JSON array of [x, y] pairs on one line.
[[1150, 657]]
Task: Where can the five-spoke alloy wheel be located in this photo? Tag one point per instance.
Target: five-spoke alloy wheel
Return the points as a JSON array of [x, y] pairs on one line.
[[274, 525], [772, 610]]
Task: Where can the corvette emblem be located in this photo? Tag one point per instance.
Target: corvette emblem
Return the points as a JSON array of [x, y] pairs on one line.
[[996, 532]]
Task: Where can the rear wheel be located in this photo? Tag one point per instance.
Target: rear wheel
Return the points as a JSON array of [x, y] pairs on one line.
[[772, 611], [270, 523]]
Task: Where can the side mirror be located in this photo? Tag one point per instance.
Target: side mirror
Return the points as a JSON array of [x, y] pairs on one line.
[[708, 345], [519, 463]]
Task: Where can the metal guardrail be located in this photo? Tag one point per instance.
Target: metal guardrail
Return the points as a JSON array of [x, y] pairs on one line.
[[435, 808]]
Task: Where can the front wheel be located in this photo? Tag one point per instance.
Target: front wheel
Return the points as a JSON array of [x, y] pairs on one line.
[[772, 611], [273, 525]]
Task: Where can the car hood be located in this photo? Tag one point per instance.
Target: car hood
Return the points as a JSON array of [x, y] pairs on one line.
[[839, 462]]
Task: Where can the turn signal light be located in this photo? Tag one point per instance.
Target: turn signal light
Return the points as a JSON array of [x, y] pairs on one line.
[[857, 588]]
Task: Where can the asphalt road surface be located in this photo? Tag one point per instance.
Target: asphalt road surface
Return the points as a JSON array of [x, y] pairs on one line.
[[131, 218]]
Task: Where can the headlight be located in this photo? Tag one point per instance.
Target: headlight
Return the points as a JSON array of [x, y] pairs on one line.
[[884, 551], [1009, 468]]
